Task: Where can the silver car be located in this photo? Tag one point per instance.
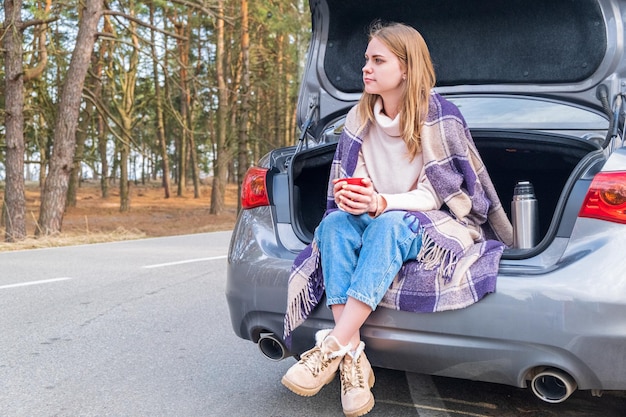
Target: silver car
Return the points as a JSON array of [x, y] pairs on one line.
[[541, 85]]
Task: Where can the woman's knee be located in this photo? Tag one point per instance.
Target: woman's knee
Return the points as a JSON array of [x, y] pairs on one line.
[[394, 226], [337, 216], [390, 220], [338, 222], [331, 222]]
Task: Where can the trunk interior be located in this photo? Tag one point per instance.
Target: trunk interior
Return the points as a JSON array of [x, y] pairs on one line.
[[475, 41], [546, 160]]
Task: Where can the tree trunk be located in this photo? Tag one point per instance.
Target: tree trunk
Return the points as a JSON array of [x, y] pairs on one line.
[[126, 111], [14, 198], [124, 182], [221, 158], [102, 151], [104, 64], [193, 153], [81, 137], [160, 124], [182, 43], [242, 143], [55, 189], [43, 144], [195, 171], [279, 110]]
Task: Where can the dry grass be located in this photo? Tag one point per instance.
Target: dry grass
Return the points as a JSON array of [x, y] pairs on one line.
[[96, 219]]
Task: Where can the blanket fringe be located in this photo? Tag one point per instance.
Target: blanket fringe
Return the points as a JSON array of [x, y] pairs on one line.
[[299, 308], [432, 256]]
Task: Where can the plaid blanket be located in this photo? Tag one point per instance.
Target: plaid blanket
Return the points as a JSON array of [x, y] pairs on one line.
[[461, 243]]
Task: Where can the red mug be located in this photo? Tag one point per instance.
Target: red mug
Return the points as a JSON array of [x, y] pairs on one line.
[[354, 181]]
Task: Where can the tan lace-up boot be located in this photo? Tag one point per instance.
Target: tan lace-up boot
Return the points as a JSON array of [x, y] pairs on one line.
[[357, 379], [317, 367]]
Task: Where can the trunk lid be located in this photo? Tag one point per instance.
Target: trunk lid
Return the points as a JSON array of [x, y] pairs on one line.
[[559, 50]]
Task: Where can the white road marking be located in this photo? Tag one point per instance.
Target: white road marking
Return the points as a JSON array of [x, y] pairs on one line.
[[26, 284], [187, 261], [422, 387], [440, 411], [423, 390]]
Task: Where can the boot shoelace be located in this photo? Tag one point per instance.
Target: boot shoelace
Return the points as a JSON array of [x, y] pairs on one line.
[[316, 361], [352, 375]]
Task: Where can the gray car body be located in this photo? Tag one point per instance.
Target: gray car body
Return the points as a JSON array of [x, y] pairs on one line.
[[560, 306]]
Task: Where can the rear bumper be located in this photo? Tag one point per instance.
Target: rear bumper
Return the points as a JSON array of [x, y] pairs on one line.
[[257, 275], [571, 316]]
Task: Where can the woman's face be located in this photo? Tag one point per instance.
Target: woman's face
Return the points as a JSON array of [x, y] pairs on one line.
[[382, 73]]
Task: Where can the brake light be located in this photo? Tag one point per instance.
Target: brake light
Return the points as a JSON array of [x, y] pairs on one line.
[[606, 198], [254, 189]]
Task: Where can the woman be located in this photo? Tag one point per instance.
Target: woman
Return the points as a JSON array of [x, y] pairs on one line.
[[425, 207]]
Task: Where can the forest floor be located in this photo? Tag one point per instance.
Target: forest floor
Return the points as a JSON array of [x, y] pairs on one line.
[[96, 219]]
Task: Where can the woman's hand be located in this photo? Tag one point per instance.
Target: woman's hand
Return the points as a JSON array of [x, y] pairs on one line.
[[356, 199]]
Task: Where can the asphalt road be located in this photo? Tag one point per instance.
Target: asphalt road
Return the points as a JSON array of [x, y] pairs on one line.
[[141, 328]]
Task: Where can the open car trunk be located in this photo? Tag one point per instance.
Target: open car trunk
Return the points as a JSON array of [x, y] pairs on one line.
[[548, 161], [558, 55]]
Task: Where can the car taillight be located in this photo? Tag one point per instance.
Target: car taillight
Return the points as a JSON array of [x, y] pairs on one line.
[[606, 198], [254, 189]]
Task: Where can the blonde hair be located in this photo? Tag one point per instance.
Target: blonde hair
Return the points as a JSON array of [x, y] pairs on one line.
[[409, 47]]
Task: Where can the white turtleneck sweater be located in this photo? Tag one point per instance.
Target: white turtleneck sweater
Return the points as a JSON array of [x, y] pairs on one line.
[[384, 159]]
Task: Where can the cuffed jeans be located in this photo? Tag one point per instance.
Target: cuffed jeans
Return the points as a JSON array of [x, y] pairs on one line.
[[361, 255]]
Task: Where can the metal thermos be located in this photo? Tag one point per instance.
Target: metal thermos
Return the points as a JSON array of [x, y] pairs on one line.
[[524, 213]]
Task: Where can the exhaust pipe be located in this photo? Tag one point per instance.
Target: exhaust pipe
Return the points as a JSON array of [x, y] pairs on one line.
[[272, 347], [553, 385]]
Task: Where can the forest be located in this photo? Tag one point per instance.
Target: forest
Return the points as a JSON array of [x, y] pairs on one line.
[[116, 91]]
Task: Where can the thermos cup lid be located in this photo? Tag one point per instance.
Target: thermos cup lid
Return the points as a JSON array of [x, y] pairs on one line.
[[523, 188]]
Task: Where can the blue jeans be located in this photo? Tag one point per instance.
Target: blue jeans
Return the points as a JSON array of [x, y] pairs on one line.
[[361, 255]]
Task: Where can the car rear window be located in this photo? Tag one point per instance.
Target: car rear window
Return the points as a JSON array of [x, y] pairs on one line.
[[527, 113]]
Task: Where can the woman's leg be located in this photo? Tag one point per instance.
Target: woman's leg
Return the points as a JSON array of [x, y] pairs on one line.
[[339, 238], [387, 242], [356, 314], [358, 262]]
